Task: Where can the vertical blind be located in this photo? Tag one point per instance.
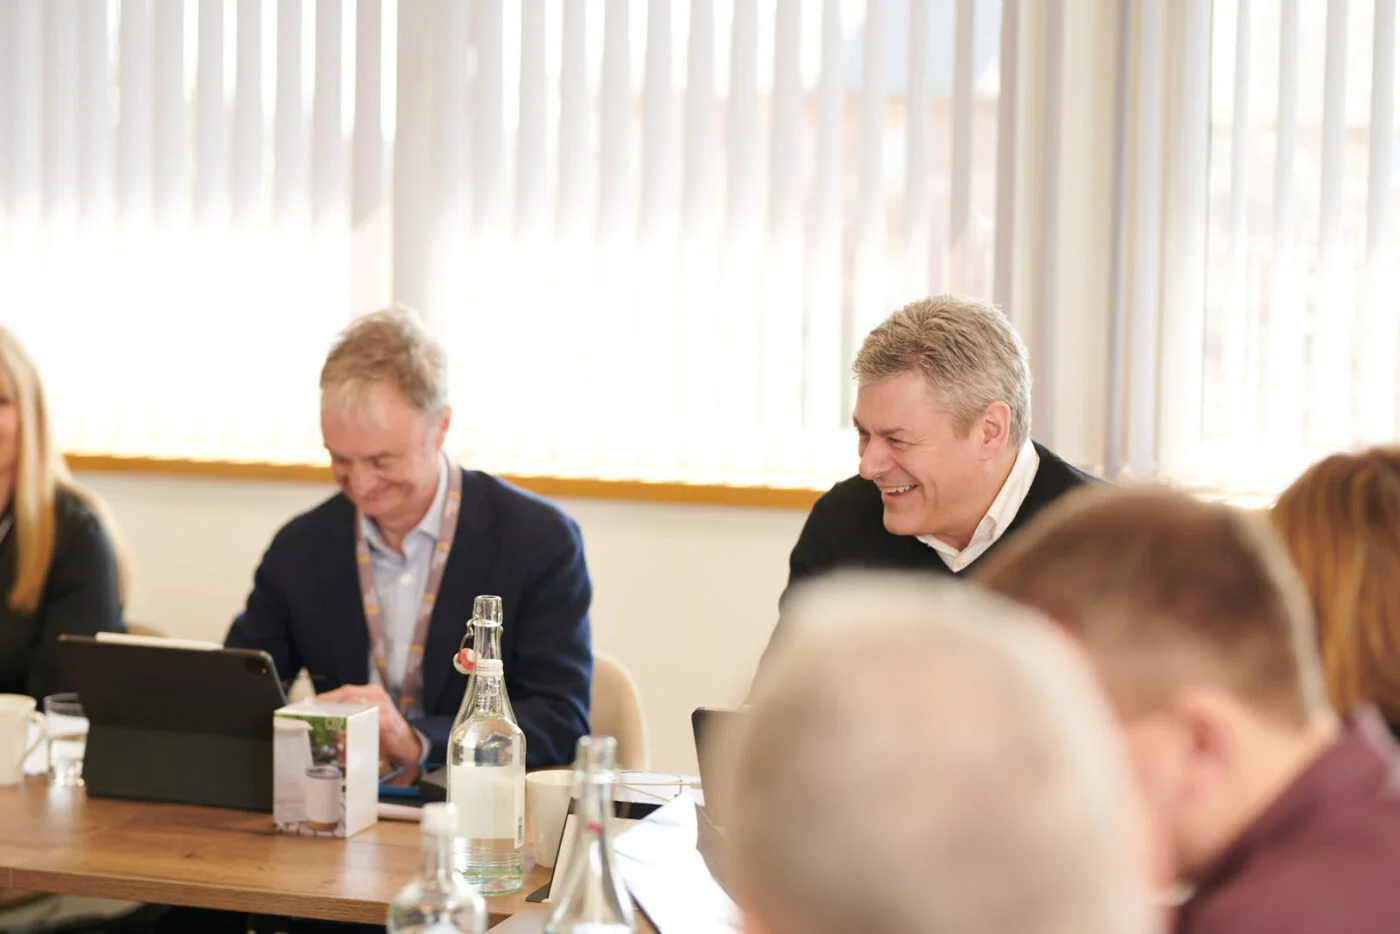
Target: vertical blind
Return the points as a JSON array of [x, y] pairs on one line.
[[1254, 313], [177, 212], [650, 234], [1300, 338]]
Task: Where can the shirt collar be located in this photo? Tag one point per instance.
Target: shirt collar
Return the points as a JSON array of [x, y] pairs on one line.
[[1004, 508], [431, 523], [1013, 492]]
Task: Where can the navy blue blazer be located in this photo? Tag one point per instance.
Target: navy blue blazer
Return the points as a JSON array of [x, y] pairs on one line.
[[305, 611]]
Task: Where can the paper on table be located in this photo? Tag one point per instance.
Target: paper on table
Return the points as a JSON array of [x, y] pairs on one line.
[[400, 812], [668, 877]]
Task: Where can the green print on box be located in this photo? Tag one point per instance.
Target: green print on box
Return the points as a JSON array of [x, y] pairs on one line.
[[326, 734], [325, 768]]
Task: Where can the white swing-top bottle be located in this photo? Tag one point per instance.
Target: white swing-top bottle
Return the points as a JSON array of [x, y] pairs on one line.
[[486, 768]]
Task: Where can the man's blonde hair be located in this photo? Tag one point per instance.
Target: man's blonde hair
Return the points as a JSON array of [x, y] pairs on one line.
[[1167, 591], [387, 346], [968, 351], [925, 757]]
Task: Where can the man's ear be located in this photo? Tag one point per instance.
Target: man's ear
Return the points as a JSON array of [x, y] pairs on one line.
[[444, 425], [994, 429], [1210, 720]]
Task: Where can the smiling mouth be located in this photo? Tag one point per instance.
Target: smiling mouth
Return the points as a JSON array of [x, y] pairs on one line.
[[896, 490]]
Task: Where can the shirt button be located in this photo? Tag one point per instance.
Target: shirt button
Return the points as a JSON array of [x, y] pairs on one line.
[[405, 579]]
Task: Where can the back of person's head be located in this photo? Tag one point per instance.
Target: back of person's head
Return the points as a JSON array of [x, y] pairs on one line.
[[1340, 521], [390, 346], [925, 758], [39, 473], [1166, 591], [1202, 635], [968, 351]]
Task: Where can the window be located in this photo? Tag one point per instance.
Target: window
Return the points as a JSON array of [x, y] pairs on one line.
[[180, 225], [650, 234], [1301, 317], [1253, 325]]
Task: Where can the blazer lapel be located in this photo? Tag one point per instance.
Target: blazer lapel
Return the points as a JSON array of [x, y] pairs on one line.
[[468, 569], [345, 623]]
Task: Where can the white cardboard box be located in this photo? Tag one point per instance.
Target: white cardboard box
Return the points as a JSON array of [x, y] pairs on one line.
[[325, 768]]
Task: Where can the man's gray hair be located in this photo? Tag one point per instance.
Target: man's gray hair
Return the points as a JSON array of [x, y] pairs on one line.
[[387, 346], [927, 758], [968, 351]]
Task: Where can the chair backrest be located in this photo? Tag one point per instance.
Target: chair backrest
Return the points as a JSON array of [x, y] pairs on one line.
[[617, 711]]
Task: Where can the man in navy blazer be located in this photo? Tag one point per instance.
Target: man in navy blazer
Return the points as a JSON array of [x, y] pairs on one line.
[[345, 589]]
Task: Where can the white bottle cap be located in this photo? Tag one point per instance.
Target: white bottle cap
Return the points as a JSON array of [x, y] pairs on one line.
[[439, 817], [490, 666]]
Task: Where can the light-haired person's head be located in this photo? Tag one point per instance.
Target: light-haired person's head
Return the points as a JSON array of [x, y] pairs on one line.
[[926, 758], [943, 406], [1203, 637], [32, 471], [1340, 521], [385, 415]]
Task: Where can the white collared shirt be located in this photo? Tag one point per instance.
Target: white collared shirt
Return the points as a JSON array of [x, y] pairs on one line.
[[400, 579], [1003, 509]]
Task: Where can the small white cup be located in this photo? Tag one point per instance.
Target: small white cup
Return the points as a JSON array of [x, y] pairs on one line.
[[17, 715], [547, 795]]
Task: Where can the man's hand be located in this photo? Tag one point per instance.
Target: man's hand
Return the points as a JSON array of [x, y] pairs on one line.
[[398, 743]]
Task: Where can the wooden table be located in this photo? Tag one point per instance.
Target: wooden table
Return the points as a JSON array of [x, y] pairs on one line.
[[59, 840]]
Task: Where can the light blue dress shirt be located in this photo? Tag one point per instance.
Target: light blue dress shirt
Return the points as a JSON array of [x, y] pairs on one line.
[[399, 580]]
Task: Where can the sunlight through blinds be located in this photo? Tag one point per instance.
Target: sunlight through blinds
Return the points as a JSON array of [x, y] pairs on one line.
[[1300, 343], [650, 233]]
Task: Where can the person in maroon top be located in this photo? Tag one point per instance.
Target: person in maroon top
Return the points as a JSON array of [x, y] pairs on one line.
[[1279, 816]]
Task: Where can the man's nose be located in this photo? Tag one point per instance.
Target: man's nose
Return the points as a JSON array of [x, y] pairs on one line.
[[360, 481], [874, 461]]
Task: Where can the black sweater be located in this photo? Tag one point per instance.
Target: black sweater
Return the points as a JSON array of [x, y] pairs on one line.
[[80, 597], [846, 528]]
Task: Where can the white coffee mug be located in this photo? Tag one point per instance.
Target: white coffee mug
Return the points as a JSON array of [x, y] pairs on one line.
[[16, 714], [547, 795]]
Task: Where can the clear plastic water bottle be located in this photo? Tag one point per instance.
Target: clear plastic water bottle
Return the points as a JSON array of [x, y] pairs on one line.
[[486, 780], [437, 900], [592, 899]]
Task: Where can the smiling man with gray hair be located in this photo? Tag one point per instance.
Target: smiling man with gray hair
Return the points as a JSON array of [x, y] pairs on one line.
[[947, 464], [926, 758]]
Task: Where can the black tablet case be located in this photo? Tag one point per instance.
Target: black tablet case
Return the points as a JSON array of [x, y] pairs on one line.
[[174, 724]]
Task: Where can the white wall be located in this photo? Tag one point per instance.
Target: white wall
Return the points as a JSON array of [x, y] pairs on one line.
[[686, 596]]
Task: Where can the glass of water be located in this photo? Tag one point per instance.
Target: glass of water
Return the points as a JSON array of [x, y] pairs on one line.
[[67, 730]]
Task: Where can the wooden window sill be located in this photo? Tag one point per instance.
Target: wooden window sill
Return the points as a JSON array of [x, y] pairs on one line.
[[707, 494]]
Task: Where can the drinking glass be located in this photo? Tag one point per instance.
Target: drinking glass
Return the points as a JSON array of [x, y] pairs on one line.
[[67, 729]]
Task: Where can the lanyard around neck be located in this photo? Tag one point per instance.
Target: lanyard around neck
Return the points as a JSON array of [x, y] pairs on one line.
[[412, 684]]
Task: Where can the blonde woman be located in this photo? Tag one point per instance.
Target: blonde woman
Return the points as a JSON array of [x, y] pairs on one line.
[[1341, 523], [60, 569]]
